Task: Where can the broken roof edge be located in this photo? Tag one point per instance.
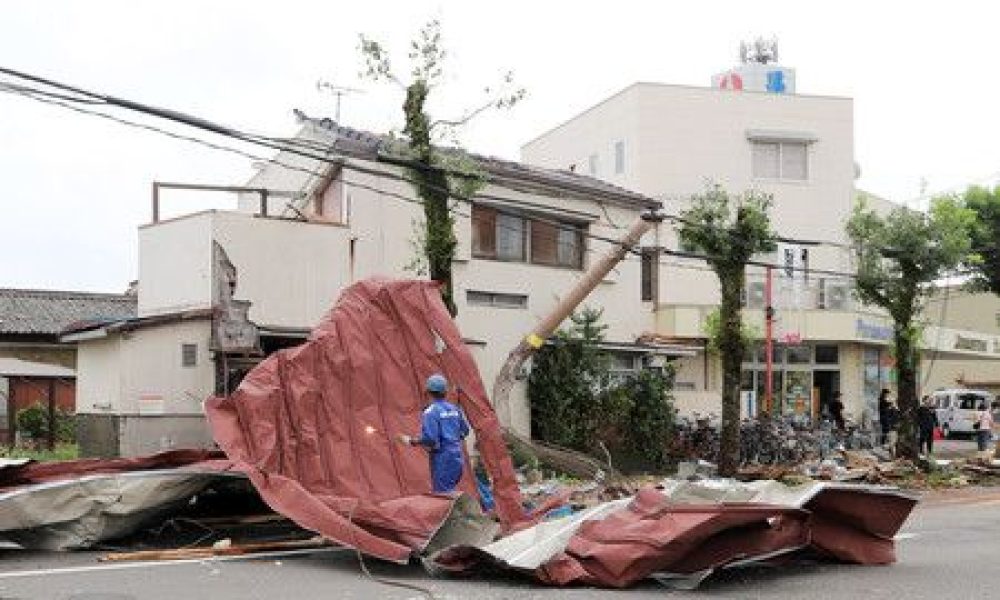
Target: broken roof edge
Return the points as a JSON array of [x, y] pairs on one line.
[[364, 145], [84, 331]]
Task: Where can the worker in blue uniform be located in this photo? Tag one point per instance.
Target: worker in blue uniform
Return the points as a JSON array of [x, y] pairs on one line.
[[443, 429]]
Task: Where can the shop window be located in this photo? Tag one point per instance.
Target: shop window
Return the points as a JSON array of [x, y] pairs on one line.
[[799, 355], [827, 355]]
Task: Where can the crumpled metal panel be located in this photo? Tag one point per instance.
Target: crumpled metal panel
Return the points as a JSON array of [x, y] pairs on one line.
[[81, 511], [685, 531], [314, 426]]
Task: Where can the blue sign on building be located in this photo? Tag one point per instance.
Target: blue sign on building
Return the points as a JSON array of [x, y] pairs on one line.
[[776, 82]]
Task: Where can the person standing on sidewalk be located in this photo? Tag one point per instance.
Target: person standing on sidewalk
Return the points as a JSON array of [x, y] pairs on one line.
[[884, 407], [983, 427], [927, 422]]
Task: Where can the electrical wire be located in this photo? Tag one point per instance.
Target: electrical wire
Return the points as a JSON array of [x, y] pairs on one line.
[[264, 141]]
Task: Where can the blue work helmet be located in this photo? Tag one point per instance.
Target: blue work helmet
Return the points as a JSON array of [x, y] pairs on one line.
[[437, 384]]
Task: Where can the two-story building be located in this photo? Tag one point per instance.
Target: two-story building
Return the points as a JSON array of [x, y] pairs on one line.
[[747, 132], [220, 289]]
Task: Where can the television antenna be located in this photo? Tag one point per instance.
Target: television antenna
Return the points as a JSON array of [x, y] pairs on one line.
[[337, 90], [760, 50]]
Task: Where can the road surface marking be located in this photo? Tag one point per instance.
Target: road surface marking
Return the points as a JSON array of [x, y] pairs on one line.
[[164, 563]]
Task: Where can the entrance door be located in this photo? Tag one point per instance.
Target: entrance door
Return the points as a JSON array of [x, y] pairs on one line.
[[825, 384]]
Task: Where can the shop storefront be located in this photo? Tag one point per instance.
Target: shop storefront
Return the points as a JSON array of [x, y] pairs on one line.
[[804, 378]]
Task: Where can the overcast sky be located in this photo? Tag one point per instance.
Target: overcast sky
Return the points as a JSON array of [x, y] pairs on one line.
[[74, 188]]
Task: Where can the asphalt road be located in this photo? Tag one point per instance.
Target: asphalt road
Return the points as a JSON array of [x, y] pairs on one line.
[[946, 550]]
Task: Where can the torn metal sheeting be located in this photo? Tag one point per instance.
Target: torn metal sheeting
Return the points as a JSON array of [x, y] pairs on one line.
[[84, 511], [315, 426], [681, 534]]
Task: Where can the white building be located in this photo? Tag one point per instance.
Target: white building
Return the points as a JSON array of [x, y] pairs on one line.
[[307, 228], [304, 230], [668, 141]]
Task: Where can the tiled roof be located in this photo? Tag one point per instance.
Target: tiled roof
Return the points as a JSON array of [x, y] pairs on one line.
[[373, 146], [50, 311]]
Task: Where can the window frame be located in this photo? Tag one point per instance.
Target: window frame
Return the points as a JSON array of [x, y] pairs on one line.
[[189, 355], [780, 160], [490, 299], [557, 227]]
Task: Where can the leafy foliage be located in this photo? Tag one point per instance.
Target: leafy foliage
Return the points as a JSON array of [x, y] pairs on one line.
[[34, 421], [565, 388], [650, 414], [729, 230], [712, 326], [436, 175], [984, 234], [577, 402], [899, 257]]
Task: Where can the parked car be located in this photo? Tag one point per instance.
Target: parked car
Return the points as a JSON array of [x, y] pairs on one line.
[[957, 409]]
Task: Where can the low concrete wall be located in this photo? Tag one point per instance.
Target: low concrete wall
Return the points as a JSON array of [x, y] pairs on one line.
[[132, 435]]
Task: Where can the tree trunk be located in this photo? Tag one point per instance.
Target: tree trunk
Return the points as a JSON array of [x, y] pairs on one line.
[[906, 380], [433, 188], [731, 345]]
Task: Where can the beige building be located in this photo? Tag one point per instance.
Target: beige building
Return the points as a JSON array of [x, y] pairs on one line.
[[668, 142], [304, 230]]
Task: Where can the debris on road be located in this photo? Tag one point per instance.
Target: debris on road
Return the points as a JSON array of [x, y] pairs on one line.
[[312, 429]]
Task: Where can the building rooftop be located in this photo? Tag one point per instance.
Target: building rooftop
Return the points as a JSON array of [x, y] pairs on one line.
[[371, 146], [48, 312]]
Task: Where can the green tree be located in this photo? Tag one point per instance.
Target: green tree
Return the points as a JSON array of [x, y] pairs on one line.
[[729, 230], [436, 175], [650, 414], [899, 257], [567, 381], [984, 234]]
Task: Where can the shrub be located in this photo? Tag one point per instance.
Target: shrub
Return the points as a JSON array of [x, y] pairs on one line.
[[34, 421]]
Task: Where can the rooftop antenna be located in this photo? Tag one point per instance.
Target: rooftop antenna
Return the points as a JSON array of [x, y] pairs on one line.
[[337, 90], [760, 50]]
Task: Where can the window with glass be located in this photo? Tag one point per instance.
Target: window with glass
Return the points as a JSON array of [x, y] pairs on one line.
[[517, 238], [780, 160]]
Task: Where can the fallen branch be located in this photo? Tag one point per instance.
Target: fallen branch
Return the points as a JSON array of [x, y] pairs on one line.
[[222, 550]]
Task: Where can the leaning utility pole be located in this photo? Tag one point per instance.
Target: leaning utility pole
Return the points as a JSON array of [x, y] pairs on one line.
[[547, 326]]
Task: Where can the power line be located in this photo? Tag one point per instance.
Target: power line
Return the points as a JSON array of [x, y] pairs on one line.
[[92, 97]]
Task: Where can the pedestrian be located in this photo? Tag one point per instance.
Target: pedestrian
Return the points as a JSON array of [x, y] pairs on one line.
[[837, 411], [442, 432], [983, 427], [883, 419], [927, 422], [891, 427]]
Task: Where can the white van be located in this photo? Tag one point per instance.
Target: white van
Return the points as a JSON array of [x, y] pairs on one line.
[[957, 409]]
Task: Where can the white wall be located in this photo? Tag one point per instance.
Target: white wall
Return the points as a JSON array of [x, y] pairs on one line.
[[175, 264], [290, 271], [140, 371], [680, 137], [98, 375]]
